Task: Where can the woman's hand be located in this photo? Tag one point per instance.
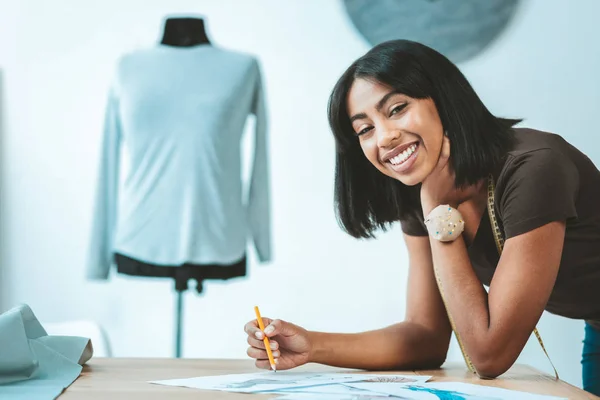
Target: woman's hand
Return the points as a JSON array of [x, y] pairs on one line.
[[290, 344], [438, 188]]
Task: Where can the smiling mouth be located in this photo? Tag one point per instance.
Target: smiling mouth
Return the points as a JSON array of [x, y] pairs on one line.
[[404, 156]]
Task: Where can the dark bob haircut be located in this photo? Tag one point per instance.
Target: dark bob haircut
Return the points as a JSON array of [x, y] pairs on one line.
[[365, 198]]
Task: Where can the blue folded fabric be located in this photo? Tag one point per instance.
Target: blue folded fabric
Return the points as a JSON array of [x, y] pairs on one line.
[[34, 365]]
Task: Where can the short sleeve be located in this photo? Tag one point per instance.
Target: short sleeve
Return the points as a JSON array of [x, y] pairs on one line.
[[536, 188], [413, 224]]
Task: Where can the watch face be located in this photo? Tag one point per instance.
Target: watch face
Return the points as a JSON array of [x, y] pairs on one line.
[[459, 29]]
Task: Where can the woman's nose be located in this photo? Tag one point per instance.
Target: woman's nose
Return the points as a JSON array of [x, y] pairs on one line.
[[387, 137]]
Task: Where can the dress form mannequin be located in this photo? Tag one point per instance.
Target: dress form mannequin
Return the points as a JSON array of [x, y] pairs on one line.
[[184, 33]]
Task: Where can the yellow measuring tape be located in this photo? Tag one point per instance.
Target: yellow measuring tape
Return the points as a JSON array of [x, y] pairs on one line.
[[500, 245]]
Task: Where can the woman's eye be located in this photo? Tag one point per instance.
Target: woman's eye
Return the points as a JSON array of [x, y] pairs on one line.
[[397, 109], [363, 131]]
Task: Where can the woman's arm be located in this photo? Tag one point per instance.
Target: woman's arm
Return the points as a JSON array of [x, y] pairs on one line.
[[495, 329], [421, 341]]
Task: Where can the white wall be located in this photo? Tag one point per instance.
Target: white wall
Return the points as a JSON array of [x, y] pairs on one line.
[[57, 58]]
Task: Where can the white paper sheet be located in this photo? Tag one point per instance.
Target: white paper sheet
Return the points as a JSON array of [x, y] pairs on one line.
[[313, 396], [343, 389], [260, 382], [449, 390], [276, 382], [337, 390]]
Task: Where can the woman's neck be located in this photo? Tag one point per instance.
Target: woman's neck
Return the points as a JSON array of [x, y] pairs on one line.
[[472, 209], [474, 194]]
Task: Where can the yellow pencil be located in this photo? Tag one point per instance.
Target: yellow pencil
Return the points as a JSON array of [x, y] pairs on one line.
[[265, 338]]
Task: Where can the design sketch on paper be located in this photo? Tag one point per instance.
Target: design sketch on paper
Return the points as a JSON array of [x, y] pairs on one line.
[[392, 379], [253, 382], [449, 394], [266, 381]]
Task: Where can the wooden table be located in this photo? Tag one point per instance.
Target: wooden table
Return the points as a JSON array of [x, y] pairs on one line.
[[126, 378]]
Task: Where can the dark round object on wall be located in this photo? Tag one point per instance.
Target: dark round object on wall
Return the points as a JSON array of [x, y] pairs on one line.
[[459, 29]]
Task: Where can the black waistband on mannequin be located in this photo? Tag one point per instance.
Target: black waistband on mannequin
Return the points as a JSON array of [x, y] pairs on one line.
[[181, 273]]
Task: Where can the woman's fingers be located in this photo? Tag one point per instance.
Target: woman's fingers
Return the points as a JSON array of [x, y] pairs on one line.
[[252, 328], [261, 344], [279, 327], [263, 364], [260, 354], [252, 341]]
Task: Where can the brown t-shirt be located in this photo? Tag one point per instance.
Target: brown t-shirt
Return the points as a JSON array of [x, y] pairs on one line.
[[545, 179]]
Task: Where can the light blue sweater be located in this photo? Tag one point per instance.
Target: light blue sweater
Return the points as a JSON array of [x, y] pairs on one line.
[[181, 113]]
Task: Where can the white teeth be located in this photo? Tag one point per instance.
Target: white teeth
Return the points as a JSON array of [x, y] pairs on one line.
[[400, 158]]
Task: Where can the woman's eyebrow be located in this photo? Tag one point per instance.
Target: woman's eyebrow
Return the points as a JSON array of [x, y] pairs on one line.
[[384, 99], [356, 117], [378, 106]]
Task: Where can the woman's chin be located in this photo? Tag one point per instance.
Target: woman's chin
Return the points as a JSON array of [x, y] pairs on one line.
[[412, 178], [409, 180]]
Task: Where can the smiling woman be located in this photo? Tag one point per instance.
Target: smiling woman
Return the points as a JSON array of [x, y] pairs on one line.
[[479, 201]]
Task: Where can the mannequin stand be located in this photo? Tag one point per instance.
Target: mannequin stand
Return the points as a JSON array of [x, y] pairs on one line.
[[178, 324], [180, 289]]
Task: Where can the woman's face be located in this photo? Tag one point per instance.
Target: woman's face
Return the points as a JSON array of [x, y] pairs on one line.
[[401, 136]]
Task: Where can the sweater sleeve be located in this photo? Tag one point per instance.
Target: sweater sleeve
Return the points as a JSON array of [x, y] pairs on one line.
[[105, 204], [259, 205]]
